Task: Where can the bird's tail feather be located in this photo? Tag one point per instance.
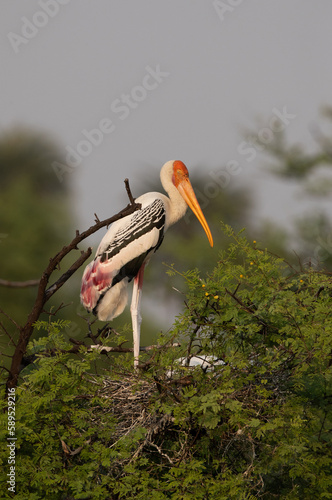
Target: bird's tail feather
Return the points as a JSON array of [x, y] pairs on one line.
[[113, 302]]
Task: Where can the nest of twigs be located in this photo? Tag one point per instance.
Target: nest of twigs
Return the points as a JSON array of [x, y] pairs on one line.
[[130, 401], [130, 404]]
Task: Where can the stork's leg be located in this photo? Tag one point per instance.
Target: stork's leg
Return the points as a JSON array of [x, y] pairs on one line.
[[135, 310]]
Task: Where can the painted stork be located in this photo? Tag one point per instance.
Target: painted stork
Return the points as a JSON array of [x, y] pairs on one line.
[[128, 245]]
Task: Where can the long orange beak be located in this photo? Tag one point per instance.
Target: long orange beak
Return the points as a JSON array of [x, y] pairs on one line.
[[185, 189]]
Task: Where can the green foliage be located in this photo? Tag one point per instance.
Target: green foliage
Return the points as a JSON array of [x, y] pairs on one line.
[[255, 423], [309, 171], [58, 440]]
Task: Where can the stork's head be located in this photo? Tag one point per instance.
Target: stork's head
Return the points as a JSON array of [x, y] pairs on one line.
[[180, 179]]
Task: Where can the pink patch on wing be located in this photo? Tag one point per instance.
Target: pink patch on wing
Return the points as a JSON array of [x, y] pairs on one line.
[[97, 277]]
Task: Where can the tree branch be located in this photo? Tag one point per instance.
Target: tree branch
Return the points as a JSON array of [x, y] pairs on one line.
[[130, 196], [58, 284], [244, 306], [18, 284], [43, 295], [105, 348]]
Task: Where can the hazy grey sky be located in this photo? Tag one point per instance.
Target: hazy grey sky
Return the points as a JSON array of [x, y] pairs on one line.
[[161, 80]]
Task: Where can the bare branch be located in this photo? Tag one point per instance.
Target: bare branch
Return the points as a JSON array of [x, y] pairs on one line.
[[10, 319], [53, 313], [43, 295], [55, 287], [4, 367], [104, 349], [130, 196], [18, 284], [320, 289], [7, 333]]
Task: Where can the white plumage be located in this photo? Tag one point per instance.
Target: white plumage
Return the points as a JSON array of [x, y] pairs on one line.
[[129, 243]]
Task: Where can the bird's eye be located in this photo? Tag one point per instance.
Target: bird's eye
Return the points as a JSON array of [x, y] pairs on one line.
[[180, 174]]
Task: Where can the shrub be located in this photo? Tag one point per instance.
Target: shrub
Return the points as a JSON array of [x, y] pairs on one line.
[[253, 422]]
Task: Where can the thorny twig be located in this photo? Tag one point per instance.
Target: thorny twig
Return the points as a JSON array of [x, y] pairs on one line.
[[130, 196]]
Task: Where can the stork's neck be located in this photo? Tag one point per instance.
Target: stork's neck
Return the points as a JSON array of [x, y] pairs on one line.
[[177, 206]]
